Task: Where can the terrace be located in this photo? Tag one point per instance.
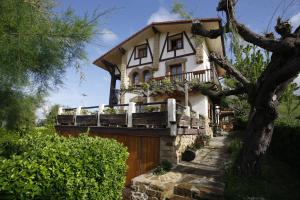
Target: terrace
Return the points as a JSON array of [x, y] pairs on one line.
[[168, 117]]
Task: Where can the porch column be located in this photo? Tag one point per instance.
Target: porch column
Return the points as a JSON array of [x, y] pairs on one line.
[[131, 110], [100, 111], [112, 88], [172, 124], [186, 99], [77, 112]]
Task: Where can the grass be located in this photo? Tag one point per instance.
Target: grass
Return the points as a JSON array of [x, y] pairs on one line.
[[278, 180]]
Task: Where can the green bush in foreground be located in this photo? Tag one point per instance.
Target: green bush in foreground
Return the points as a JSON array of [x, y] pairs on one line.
[[55, 167]]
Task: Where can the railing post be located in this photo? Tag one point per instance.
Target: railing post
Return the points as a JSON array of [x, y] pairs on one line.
[[100, 111], [77, 112], [131, 110], [172, 116], [59, 112]]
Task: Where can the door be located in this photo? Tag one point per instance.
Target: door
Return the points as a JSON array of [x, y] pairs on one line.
[[176, 72]]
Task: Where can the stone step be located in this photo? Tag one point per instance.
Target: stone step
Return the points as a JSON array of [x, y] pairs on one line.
[[177, 197], [200, 189]]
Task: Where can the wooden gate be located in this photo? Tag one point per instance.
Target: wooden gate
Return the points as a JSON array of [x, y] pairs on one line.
[[143, 153]]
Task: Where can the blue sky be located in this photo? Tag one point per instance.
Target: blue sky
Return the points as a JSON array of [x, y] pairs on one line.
[[131, 15]]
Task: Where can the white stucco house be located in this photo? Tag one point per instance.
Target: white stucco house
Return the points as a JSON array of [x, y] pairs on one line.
[[166, 50]]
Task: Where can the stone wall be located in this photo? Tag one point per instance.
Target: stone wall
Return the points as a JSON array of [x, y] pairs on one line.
[[208, 129], [171, 148]]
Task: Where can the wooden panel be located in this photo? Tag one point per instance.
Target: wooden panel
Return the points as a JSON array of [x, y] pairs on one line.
[[195, 122], [153, 118], [182, 120], [150, 148], [113, 119], [143, 153], [65, 119], [86, 120]]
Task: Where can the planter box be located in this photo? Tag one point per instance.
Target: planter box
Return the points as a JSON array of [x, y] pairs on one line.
[[86, 120], [113, 120], [182, 120], [65, 119], [151, 118]]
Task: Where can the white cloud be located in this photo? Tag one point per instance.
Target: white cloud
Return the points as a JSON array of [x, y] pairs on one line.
[[108, 36], [162, 14], [295, 20]]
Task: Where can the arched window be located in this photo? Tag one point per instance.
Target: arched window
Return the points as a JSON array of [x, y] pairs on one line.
[[135, 78], [147, 76]]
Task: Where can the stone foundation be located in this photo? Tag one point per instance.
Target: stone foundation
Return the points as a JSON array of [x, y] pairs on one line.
[[171, 148]]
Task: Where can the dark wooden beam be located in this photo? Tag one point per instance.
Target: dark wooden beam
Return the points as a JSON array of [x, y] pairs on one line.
[[122, 50], [110, 66], [155, 30]]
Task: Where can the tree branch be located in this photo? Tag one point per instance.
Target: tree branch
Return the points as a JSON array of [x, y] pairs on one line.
[[222, 62], [236, 91], [267, 43], [198, 29]]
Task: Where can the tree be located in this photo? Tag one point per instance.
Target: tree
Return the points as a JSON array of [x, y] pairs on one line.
[[36, 47], [263, 94], [290, 100], [50, 119]]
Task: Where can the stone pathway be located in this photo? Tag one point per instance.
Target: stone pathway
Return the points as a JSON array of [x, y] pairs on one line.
[[200, 179]]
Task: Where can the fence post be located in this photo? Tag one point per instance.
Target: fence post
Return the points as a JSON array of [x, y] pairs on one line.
[[77, 112], [172, 116], [100, 111], [59, 112], [131, 110]]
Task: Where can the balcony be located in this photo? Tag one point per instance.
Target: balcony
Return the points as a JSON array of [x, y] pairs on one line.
[[201, 76], [168, 116]]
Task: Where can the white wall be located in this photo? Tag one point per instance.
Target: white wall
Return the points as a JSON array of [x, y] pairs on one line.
[[199, 102]]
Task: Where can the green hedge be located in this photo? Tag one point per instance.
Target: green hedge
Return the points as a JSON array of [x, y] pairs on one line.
[[285, 143], [55, 167]]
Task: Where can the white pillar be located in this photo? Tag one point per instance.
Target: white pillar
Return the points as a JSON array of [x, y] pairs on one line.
[[60, 111], [100, 111], [131, 110], [187, 111], [172, 116], [77, 112], [197, 115]]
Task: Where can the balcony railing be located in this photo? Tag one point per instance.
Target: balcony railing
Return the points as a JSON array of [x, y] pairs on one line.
[[203, 76], [168, 114]]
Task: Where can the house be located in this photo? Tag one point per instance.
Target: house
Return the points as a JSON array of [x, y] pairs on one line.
[[159, 67]]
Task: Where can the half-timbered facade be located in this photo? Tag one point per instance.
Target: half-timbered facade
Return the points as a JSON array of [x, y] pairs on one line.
[[165, 50]]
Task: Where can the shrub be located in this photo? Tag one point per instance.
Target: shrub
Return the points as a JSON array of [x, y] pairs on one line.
[[55, 167], [164, 167], [285, 143]]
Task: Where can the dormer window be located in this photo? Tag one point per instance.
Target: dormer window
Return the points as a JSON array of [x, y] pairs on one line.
[[175, 42], [141, 51]]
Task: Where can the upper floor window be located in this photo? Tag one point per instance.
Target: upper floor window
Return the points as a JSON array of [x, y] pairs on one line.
[[135, 78], [175, 42], [141, 51], [176, 72], [147, 76]]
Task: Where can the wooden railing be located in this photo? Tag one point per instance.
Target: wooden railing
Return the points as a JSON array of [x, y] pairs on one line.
[[202, 76], [130, 118]]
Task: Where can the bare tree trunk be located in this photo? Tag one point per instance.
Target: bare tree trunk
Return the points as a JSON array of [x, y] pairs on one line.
[[256, 142]]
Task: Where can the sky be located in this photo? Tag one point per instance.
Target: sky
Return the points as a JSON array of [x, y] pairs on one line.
[[127, 17]]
